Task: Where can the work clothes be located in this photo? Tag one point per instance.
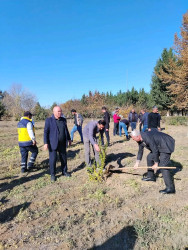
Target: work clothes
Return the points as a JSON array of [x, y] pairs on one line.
[[161, 146], [56, 135], [26, 137], [24, 156], [25, 132]]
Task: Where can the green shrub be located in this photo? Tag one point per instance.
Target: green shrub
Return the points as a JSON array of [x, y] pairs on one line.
[[95, 172], [176, 120]]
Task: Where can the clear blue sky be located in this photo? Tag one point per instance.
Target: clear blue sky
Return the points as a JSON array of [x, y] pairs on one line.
[[61, 49]]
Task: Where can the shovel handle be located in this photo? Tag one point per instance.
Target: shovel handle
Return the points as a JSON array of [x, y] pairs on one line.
[[127, 168]]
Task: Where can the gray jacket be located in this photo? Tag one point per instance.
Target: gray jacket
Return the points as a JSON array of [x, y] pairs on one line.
[[90, 131]]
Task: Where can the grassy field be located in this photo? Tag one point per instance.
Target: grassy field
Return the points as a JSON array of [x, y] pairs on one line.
[[74, 213]]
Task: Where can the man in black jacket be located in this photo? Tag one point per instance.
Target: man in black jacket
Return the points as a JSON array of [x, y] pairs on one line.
[[154, 119], [56, 136], [106, 118], [161, 146]]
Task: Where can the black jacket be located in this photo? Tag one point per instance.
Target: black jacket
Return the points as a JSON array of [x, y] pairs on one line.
[[156, 142], [154, 120], [51, 133], [106, 117]]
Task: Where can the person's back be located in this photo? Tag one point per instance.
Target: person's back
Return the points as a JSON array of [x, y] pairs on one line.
[[90, 127], [106, 117], [27, 142], [125, 121], [145, 118], [164, 142], [153, 120]]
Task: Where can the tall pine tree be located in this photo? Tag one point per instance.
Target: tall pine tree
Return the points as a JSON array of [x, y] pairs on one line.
[[178, 76], [160, 95]]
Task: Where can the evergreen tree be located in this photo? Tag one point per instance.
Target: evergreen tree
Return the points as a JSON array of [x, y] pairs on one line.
[[160, 94], [84, 99], [143, 98], [177, 78], [2, 109], [40, 112]]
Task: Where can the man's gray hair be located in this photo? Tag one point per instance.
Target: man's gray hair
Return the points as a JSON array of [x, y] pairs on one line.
[[155, 107], [135, 133]]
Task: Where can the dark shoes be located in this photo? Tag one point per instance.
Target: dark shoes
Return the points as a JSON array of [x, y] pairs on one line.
[[167, 191], [31, 168], [53, 178], [66, 174], [23, 170], [148, 179]]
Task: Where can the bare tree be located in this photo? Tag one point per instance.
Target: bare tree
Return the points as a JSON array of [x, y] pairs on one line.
[[17, 100]]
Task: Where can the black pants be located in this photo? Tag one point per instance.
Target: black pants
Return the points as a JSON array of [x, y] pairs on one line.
[[107, 137], [116, 128], [24, 155], [164, 159], [53, 158]]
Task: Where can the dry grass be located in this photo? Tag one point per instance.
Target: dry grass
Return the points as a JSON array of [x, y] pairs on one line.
[[75, 213]]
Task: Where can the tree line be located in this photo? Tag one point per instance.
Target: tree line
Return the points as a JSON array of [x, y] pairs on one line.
[[169, 89]]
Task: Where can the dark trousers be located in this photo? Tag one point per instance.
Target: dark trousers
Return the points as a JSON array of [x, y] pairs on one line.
[[107, 137], [164, 160], [116, 128], [24, 156], [140, 127], [53, 158]]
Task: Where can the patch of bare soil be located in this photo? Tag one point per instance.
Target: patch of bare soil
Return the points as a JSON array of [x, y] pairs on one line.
[[74, 213]]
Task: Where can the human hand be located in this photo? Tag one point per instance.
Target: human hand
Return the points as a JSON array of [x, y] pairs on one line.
[[107, 129], [155, 167], [96, 146], [159, 129], [34, 142], [136, 164], [45, 146]]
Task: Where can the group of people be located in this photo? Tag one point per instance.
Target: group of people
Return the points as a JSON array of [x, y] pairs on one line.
[[146, 121], [57, 138]]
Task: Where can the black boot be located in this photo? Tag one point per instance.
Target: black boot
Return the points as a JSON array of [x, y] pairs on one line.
[[167, 191]]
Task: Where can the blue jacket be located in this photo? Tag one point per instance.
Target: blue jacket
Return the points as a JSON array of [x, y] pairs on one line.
[[145, 118], [51, 132]]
